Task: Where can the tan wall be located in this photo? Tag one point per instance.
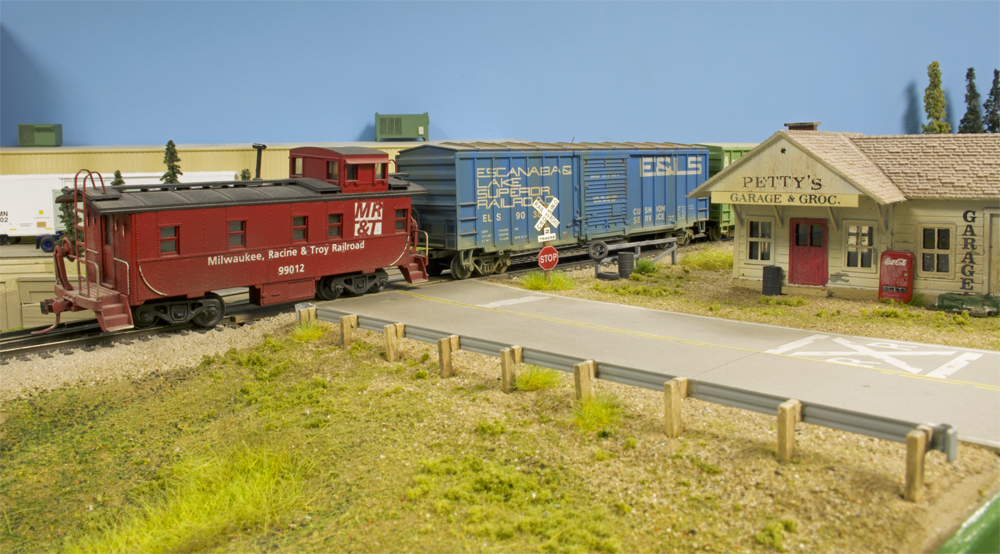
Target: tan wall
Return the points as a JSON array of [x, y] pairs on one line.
[[140, 159], [24, 282], [971, 257]]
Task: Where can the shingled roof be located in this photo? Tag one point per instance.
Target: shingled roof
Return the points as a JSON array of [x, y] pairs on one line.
[[901, 167]]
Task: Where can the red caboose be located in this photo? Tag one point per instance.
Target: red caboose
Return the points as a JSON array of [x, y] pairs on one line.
[[156, 253]]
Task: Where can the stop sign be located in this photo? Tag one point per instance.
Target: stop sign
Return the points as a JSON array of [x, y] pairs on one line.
[[548, 258]]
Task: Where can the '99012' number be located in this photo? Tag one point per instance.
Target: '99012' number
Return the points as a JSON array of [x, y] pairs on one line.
[[290, 269]]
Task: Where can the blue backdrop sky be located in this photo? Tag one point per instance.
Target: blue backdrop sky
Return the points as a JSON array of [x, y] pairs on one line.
[[237, 72]]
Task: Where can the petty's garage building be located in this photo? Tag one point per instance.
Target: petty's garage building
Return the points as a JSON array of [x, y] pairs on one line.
[[844, 214]]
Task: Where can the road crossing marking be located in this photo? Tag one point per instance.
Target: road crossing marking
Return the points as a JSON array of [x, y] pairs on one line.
[[499, 303]]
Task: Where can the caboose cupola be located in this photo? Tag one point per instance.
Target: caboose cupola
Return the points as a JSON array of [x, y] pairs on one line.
[[354, 169]]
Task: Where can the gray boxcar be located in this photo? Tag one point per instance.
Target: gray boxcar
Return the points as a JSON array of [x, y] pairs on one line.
[[487, 200]]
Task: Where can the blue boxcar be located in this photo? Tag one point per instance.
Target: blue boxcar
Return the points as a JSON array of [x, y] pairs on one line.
[[483, 197]]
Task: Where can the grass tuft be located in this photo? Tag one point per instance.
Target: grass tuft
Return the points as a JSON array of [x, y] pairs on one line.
[[207, 499], [535, 280], [600, 413], [308, 331], [773, 534], [537, 378], [793, 301], [710, 260], [644, 266]]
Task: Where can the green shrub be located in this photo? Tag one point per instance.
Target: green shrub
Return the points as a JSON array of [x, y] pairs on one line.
[[536, 280], [644, 266], [711, 260], [537, 378]]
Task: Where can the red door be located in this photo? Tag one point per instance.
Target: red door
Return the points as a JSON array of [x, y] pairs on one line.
[[107, 251], [807, 255]]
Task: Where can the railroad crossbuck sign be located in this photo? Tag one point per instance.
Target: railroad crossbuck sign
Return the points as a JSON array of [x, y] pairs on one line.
[[548, 258], [545, 216]]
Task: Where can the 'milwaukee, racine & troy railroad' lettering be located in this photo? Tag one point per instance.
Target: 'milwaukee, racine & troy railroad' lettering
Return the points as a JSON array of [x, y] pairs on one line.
[[289, 252], [783, 181]]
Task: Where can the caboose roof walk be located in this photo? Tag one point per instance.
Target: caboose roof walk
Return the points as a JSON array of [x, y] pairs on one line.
[[146, 198]]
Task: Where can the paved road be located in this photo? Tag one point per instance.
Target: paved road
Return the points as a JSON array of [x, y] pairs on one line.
[[903, 380]]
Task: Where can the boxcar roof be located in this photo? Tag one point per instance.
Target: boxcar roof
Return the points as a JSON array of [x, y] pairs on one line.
[[182, 196], [553, 146]]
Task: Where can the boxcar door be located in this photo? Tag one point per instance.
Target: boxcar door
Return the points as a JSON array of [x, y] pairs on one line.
[[605, 197], [807, 252]]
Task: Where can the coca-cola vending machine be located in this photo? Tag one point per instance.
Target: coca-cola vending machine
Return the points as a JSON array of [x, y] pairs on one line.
[[895, 280]]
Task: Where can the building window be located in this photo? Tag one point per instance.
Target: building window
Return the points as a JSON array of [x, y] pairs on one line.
[[297, 170], [400, 220], [935, 252], [168, 240], [352, 172], [333, 225], [237, 234], [860, 247], [299, 228], [759, 241], [331, 171]]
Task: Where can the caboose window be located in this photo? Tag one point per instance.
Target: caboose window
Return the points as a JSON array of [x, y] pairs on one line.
[[297, 162], [237, 233], [333, 225], [168, 240], [400, 220], [379, 171], [331, 171], [299, 228], [352, 172]]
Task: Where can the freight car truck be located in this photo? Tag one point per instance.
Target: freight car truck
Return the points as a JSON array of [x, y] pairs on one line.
[[720, 155], [28, 209], [487, 201]]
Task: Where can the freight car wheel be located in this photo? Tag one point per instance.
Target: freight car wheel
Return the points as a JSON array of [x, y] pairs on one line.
[[4, 239], [212, 310], [714, 233], [459, 271], [502, 266]]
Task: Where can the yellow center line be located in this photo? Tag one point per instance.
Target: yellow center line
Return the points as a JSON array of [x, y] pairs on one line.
[[696, 343]]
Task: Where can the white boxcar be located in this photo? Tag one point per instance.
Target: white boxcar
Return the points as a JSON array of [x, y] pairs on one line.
[[28, 208]]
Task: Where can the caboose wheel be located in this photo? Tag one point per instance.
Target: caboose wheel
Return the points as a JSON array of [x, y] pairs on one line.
[[143, 316], [212, 310], [459, 271], [329, 289]]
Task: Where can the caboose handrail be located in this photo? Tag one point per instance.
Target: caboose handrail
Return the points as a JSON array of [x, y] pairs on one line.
[[80, 240]]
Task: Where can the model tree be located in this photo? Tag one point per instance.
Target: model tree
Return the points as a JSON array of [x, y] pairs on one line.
[[118, 179], [170, 158], [245, 175], [992, 106], [972, 122], [67, 219], [934, 102]]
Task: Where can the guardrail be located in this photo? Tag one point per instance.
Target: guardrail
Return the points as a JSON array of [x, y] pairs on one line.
[[600, 250], [919, 438]]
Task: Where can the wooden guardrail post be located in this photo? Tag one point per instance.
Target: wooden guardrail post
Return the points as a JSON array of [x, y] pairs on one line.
[[393, 332], [674, 391], [583, 374], [917, 442], [789, 413], [509, 358], [307, 314], [445, 348], [348, 323]]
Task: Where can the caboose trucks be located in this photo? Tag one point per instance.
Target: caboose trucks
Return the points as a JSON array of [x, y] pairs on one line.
[[155, 253]]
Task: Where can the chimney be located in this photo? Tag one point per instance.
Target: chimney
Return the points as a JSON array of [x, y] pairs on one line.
[[803, 126]]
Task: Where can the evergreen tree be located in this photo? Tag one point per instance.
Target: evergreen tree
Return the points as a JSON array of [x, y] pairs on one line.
[[170, 158], [934, 102], [67, 220], [118, 179], [972, 122], [992, 106], [245, 175]]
